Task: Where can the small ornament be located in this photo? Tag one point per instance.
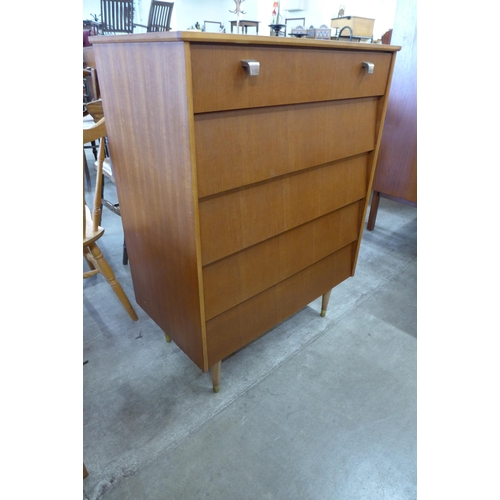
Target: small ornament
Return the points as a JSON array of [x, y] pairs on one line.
[[238, 11], [275, 15]]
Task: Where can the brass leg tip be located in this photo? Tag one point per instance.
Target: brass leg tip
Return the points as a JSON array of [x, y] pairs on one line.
[[216, 388], [323, 313], [167, 338]]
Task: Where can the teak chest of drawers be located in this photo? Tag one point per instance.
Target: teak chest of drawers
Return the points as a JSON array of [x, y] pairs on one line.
[[242, 197]]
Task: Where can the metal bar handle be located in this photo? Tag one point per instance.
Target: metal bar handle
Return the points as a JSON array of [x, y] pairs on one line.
[[368, 66], [252, 67]]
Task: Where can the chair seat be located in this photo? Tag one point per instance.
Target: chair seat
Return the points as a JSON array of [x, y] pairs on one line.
[[90, 235]]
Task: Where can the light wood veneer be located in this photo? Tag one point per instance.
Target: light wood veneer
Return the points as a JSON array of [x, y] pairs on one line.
[[242, 198]]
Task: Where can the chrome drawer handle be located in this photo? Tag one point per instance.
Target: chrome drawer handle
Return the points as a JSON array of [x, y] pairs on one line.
[[252, 67], [368, 66]]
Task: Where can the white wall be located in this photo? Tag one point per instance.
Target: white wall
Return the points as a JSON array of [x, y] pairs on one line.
[[186, 13], [317, 12]]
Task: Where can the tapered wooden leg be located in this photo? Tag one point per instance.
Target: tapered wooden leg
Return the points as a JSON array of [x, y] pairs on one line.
[[107, 272], [215, 370], [167, 338], [324, 303], [373, 210], [85, 472], [125, 253]]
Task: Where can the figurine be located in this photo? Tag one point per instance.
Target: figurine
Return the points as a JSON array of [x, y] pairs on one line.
[[341, 11]]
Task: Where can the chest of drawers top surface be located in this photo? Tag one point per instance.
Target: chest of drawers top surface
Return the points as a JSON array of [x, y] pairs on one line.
[[200, 37]]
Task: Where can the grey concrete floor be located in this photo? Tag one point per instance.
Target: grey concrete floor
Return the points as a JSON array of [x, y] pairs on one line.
[[318, 408]]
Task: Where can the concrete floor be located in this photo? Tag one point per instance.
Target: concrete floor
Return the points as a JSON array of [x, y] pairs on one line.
[[318, 408]]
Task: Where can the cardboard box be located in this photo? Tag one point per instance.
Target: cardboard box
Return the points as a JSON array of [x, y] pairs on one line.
[[361, 26]]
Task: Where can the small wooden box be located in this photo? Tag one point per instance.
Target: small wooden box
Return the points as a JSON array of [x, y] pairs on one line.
[[361, 26]]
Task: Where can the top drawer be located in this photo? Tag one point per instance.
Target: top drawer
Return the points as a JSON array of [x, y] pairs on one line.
[[288, 75]]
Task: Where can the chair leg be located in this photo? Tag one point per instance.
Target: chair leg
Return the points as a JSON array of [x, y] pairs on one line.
[[107, 272], [89, 262], [103, 180], [87, 173], [125, 253]]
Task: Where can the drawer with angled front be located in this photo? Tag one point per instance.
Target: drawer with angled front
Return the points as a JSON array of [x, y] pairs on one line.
[[237, 148], [243, 217], [244, 274], [234, 328], [287, 75]]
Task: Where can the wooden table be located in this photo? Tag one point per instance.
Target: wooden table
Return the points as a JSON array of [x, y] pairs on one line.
[[246, 25], [242, 197]]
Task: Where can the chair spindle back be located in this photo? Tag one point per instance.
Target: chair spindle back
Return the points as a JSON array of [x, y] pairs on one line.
[[117, 16]]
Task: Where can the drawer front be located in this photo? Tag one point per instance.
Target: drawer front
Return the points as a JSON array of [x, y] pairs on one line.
[[236, 148], [235, 328], [288, 75], [243, 217], [240, 276]]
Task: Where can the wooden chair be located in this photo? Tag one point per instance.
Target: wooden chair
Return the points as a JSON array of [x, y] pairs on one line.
[[160, 14], [96, 111], [91, 229], [91, 93], [303, 19], [86, 98], [90, 74], [117, 17]]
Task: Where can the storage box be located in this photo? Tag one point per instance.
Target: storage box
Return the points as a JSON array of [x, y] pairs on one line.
[[323, 33], [361, 26], [299, 31]]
